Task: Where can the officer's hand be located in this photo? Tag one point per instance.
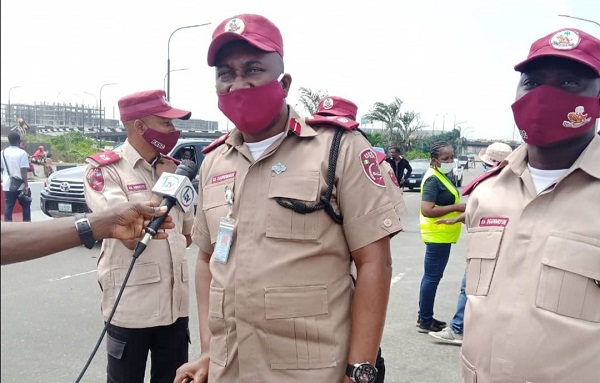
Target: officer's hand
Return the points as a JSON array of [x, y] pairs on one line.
[[195, 371]]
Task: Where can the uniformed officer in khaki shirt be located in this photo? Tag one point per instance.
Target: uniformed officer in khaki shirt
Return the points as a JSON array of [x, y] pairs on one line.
[[275, 298], [152, 315], [533, 311]]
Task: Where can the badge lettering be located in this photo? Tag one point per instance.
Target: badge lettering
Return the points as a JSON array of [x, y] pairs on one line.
[[493, 221], [222, 177], [137, 187]]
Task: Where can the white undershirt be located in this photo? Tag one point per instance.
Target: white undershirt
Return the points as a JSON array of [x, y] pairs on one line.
[[544, 178], [258, 148]]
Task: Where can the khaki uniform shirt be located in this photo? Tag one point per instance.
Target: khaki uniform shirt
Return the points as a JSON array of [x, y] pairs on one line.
[[279, 308], [157, 292], [533, 311]]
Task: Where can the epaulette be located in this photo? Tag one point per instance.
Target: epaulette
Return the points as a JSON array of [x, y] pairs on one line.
[[175, 160], [485, 175], [218, 142], [105, 158]]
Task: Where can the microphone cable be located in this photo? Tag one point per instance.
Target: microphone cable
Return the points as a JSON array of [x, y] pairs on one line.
[[141, 246]]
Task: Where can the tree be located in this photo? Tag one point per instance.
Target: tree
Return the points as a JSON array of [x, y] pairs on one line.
[[401, 128], [310, 100], [389, 114], [409, 128]]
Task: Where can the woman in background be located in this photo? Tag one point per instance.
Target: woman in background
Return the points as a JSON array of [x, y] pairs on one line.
[[439, 200]]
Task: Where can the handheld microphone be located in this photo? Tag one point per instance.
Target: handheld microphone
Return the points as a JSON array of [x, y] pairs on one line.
[[176, 189]]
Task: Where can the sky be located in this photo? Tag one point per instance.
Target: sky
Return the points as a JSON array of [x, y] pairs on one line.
[[450, 61]]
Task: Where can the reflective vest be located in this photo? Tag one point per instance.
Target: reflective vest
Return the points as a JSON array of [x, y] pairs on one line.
[[432, 232]]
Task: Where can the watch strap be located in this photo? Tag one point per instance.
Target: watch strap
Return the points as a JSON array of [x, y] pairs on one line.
[[350, 370], [82, 224]]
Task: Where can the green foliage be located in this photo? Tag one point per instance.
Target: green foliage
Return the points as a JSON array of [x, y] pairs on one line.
[[309, 99], [73, 147], [415, 153], [376, 139]]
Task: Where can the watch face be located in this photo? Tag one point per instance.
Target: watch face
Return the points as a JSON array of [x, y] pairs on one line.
[[365, 373]]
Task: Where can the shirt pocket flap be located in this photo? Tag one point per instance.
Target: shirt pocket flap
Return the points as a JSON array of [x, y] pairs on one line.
[[141, 274], [573, 253], [303, 186], [215, 309], [483, 243], [295, 302], [215, 196]]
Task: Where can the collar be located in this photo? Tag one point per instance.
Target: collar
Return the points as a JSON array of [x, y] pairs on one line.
[[587, 161], [132, 154], [295, 126]]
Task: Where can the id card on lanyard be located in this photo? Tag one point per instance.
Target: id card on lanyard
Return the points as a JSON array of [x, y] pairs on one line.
[[225, 234]]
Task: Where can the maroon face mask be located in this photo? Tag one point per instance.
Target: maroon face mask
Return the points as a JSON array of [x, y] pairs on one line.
[[253, 109], [162, 142], [548, 114]]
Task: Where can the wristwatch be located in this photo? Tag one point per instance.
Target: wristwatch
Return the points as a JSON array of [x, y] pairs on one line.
[[82, 224], [361, 372]]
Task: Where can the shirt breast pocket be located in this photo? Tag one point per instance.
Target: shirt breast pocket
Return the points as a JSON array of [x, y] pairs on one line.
[[285, 223], [215, 207], [570, 267], [482, 254]]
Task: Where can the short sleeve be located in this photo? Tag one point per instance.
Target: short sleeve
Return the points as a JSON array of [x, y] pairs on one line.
[[431, 189]]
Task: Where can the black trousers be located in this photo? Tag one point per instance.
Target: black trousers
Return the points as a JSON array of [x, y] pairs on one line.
[[128, 351]]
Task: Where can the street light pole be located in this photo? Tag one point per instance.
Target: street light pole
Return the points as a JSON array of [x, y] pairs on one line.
[[172, 70], [579, 18], [9, 108], [100, 108], [169, 56]]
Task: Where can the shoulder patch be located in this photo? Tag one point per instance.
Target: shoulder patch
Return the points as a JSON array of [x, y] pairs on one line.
[[482, 177], [105, 158], [95, 178], [216, 143], [368, 161]]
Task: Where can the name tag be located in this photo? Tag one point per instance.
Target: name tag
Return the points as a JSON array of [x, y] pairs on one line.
[[224, 240]]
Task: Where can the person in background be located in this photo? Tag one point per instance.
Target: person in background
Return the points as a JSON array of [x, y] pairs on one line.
[[154, 310], [15, 165], [439, 200], [533, 261], [399, 164], [491, 156], [124, 221], [48, 165], [276, 234], [39, 157], [186, 154], [21, 128]]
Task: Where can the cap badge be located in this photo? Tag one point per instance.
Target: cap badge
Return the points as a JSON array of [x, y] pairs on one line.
[[235, 25], [278, 168], [577, 119], [565, 40], [328, 103]]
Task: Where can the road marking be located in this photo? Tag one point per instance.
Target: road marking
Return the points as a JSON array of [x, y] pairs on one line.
[[397, 278], [72, 276]]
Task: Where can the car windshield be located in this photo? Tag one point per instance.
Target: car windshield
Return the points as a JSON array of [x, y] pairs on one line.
[[419, 164]]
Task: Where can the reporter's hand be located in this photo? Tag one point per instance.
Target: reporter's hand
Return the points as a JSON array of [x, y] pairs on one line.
[[127, 220], [195, 371]]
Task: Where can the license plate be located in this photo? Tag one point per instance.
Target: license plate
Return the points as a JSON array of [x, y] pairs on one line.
[[65, 207], [412, 181]]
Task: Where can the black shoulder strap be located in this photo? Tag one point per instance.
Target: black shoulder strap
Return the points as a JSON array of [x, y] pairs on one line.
[[6, 164], [324, 201]]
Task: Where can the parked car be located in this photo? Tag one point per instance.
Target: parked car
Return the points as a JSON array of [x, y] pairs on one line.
[[63, 194], [420, 166], [463, 161], [456, 175]]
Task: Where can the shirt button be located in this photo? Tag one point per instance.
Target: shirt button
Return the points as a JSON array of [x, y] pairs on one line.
[[387, 222]]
